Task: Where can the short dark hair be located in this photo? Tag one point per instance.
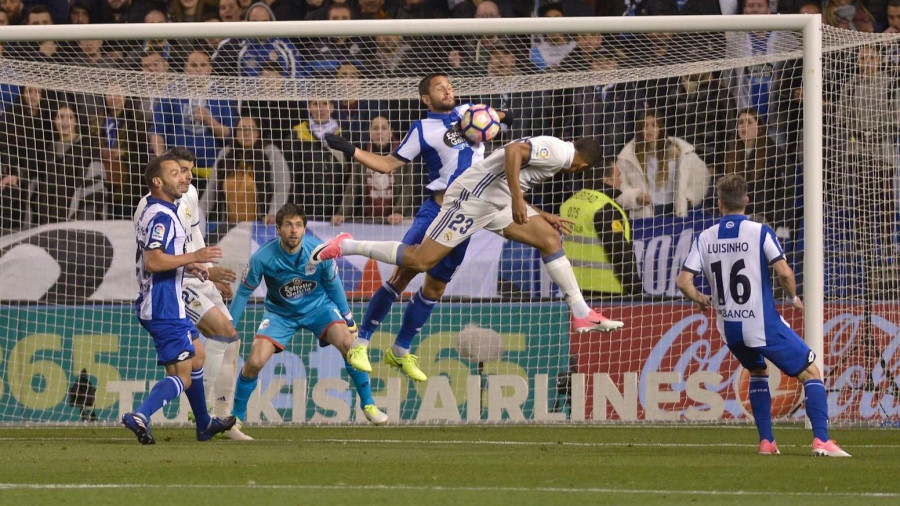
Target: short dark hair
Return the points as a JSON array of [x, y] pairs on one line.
[[181, 153], [589, 151], [553, 6], [287, 210], [154, 168], [732, 190], [425, 83]]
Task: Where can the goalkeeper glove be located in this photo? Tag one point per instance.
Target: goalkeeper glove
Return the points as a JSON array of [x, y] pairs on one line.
[[508, 117], [339, 143], [348, 319]]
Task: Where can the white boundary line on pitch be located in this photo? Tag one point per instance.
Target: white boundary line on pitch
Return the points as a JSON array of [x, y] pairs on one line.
[[394, 488], [597, 444]]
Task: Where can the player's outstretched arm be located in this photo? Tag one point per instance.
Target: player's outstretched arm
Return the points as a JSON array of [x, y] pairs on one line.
[[686, 285], [384, 164]]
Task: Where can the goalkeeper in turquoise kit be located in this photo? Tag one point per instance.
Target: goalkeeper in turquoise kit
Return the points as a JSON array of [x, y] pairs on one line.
[[298, 296]]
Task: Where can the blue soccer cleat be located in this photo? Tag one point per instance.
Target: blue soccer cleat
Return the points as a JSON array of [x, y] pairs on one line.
[[216, 426], [139, 424]]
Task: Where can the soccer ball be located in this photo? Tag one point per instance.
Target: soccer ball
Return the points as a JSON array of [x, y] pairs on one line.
[[480, 123]]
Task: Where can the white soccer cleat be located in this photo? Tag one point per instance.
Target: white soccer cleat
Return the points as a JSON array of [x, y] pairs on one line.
[[827, 449], [596, 321], [328, 249], [374, 415], [235, 433]]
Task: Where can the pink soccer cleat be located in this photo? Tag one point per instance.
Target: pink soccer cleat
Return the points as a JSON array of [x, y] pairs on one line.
[[596, 321], [328, 249], [767, 447], [827, 449]]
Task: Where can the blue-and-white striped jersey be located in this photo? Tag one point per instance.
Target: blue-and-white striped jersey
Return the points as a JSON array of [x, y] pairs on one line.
[[444, 150], [735, 256], [159, 227], [293, 287]]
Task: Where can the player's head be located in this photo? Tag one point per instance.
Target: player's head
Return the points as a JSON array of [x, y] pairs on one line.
[[290, 223], [588, 154], [186, 160], [732, 190], [165, 178], [436, 93]]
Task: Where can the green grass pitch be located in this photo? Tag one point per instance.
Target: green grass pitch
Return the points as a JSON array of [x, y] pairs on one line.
[[446, 465]]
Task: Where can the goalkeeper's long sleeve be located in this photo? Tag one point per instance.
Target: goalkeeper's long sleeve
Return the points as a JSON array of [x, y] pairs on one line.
[[239, 303], [331, 282]]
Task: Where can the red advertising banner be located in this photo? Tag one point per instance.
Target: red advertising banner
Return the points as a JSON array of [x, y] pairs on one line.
[[670, 363]]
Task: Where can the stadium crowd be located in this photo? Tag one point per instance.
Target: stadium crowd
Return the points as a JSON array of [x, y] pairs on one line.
[[68, 156]]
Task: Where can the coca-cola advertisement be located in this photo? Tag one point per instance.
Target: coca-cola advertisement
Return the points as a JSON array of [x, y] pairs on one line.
[[670, 363]]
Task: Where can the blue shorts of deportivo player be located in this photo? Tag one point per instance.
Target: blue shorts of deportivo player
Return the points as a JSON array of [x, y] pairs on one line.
[[784, 348], [279, 330], [446, 268], [173, 339]]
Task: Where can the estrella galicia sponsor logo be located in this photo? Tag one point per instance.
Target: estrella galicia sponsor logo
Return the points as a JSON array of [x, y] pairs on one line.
[[453, 138], [297, 288]]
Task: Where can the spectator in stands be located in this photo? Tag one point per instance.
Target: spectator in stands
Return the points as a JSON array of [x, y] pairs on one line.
[[604, 111], [318, 170], [156, 70], [372, 9], [470, 55], [181, 11], [198, 124], [14, 9], [230, 11], [245, 57], [251, 179], [43, 51], [170, 50], [116, 11], [764, 86], [25, 142], [275, 117], [660, 175], [354, 114], [586, 45], [469, 9], [548, 50], [390, 58], [4, 19], [419, 9], [71, 186], [700, 111], [288, 10], [645, 8], [324, 55], [771, 180], [80, 12], [849, 15], [373, 196], [124, 151], [318, 9], [893, 17]]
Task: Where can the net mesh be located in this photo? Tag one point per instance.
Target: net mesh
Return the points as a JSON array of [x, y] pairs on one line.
[[81, 119]]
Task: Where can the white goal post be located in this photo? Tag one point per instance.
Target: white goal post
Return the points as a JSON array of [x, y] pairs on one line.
[[516, 391]]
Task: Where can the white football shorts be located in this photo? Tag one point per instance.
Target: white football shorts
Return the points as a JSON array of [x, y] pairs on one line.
[[463, 214], [201, 296]]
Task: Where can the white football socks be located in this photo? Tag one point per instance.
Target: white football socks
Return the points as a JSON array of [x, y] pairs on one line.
[[215, 350], [561, 272], [383, 251]]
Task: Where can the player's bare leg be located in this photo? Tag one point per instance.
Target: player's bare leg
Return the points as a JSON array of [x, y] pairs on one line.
[[537, 232]]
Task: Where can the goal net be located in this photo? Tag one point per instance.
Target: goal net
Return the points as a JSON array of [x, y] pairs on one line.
[[672, 111]]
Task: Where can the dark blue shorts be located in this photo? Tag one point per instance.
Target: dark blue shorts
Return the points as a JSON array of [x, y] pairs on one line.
[[173, 339], [784, 348], [446, 268]]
